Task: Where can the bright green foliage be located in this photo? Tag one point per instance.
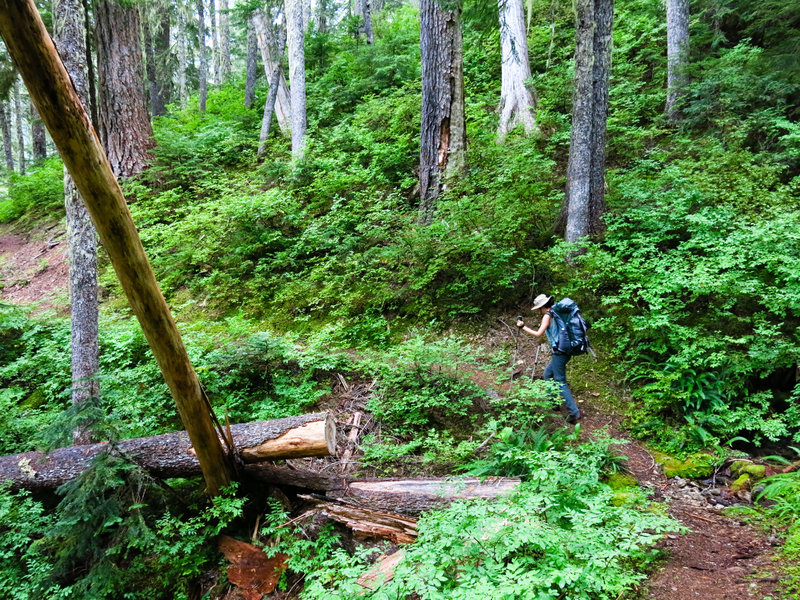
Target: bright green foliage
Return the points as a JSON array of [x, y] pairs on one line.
[[40, 192], [558, 535]]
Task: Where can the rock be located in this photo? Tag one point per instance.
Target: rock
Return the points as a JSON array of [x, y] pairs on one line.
[[696, 466], [742, 483]]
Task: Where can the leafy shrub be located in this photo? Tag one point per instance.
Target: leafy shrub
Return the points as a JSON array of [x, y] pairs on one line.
[[40, 190]]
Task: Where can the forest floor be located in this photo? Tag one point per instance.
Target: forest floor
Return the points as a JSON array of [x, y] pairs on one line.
[[721, 556]]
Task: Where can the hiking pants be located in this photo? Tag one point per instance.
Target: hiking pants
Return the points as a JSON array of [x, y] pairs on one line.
[[557, 370]]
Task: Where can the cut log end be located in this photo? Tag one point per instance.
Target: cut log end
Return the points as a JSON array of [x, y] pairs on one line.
[[314, 438]]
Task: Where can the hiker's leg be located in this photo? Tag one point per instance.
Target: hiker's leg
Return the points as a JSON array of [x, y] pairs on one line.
[[559, 366]]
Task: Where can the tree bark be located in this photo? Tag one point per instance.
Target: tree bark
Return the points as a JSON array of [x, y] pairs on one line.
[[295, 39], [365, 12], [70, 37], [366, 522], [183, 56], [269, 36], [517, 97], [157, 63], [274, 89], [49, 84], [124, 122], [413, 496], [443, 127], [20, 131], [580, 153], [252, 64], [6, 129], [92, 107], [601, 73], [38, 135], [203, 51], [172, 454], [224, 41], [677, 55]]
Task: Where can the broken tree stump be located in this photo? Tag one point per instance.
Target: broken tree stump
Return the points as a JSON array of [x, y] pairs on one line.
[[172, 454]]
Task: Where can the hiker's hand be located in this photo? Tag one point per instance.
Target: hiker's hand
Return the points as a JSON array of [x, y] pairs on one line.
[[520, 323]]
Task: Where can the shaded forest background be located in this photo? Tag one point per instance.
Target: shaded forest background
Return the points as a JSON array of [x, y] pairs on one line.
[[283, 273]]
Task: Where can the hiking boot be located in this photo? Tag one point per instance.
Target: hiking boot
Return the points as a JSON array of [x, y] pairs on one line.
[[572, 419]]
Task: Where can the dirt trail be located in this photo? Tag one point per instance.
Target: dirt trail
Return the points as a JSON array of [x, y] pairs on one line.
[[33, 270]]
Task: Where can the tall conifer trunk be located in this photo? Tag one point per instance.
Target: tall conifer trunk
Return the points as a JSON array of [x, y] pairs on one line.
[[677, 55], [70, 38], [202, 74], [295, 40], [20, 131], [224, 41], [125, 128], [269, 33], [252, 64], [6, 129], [443, 126], [38, 135], [517, 97]]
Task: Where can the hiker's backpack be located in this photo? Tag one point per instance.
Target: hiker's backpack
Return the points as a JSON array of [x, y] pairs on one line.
[[572, 337]]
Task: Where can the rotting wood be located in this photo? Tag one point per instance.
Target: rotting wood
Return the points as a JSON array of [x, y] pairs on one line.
[[164, 456], [354, 426], [399, 529], [381, 572], [35, 56]]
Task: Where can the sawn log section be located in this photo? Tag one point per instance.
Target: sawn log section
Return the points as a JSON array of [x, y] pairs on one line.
[[172, 455]]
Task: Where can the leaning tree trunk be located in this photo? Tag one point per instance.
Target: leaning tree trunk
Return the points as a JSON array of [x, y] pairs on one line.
[[269, 35], [580, 150], [124, 122], [677, 55], [252, 64], [443, 127], [70, 38], [38, 135], [604, 17], [517, 97], [202, 74], [295, 39], [6, 129], [49, 84], [20, 130], [272, 96], [224, 41]]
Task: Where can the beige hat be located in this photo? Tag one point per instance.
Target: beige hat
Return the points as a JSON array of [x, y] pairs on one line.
[[540, 301]]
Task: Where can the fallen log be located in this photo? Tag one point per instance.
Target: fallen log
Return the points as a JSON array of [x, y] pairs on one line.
[[366, 522], [413, 496], [381, 572], [172, 454]]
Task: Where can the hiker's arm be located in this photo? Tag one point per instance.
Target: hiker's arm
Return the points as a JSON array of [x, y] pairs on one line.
[[542, 328]]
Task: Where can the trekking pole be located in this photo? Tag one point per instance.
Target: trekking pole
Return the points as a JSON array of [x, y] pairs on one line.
[[535, 360]]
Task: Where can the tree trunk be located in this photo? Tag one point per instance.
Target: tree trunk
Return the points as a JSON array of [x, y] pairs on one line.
[[150, 68], [38, 135], [252, 64], [92, 107], [580, 152], [20, 130], [157, 55], [203, 72], [172, 454], [6, 128], [295, 39], [272, 96], [604, 17], [124, 122], [212, 16], [364, 11], [183, 57], [367, 522], [224, 41], [517, 97], [443, 128], [49, 84], [165, 61], [677, 55], [269, 42], [70, 38]]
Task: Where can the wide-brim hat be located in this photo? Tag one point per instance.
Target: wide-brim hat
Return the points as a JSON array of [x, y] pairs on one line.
[[540, 301]]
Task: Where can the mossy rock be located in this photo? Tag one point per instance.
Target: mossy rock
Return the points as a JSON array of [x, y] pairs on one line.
[[742, 483], [622, 498], [34, 401], [696, 466], [620, 481], [756, 472]]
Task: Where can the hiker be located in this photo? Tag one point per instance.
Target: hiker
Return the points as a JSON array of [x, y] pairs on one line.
[[557, 369]]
